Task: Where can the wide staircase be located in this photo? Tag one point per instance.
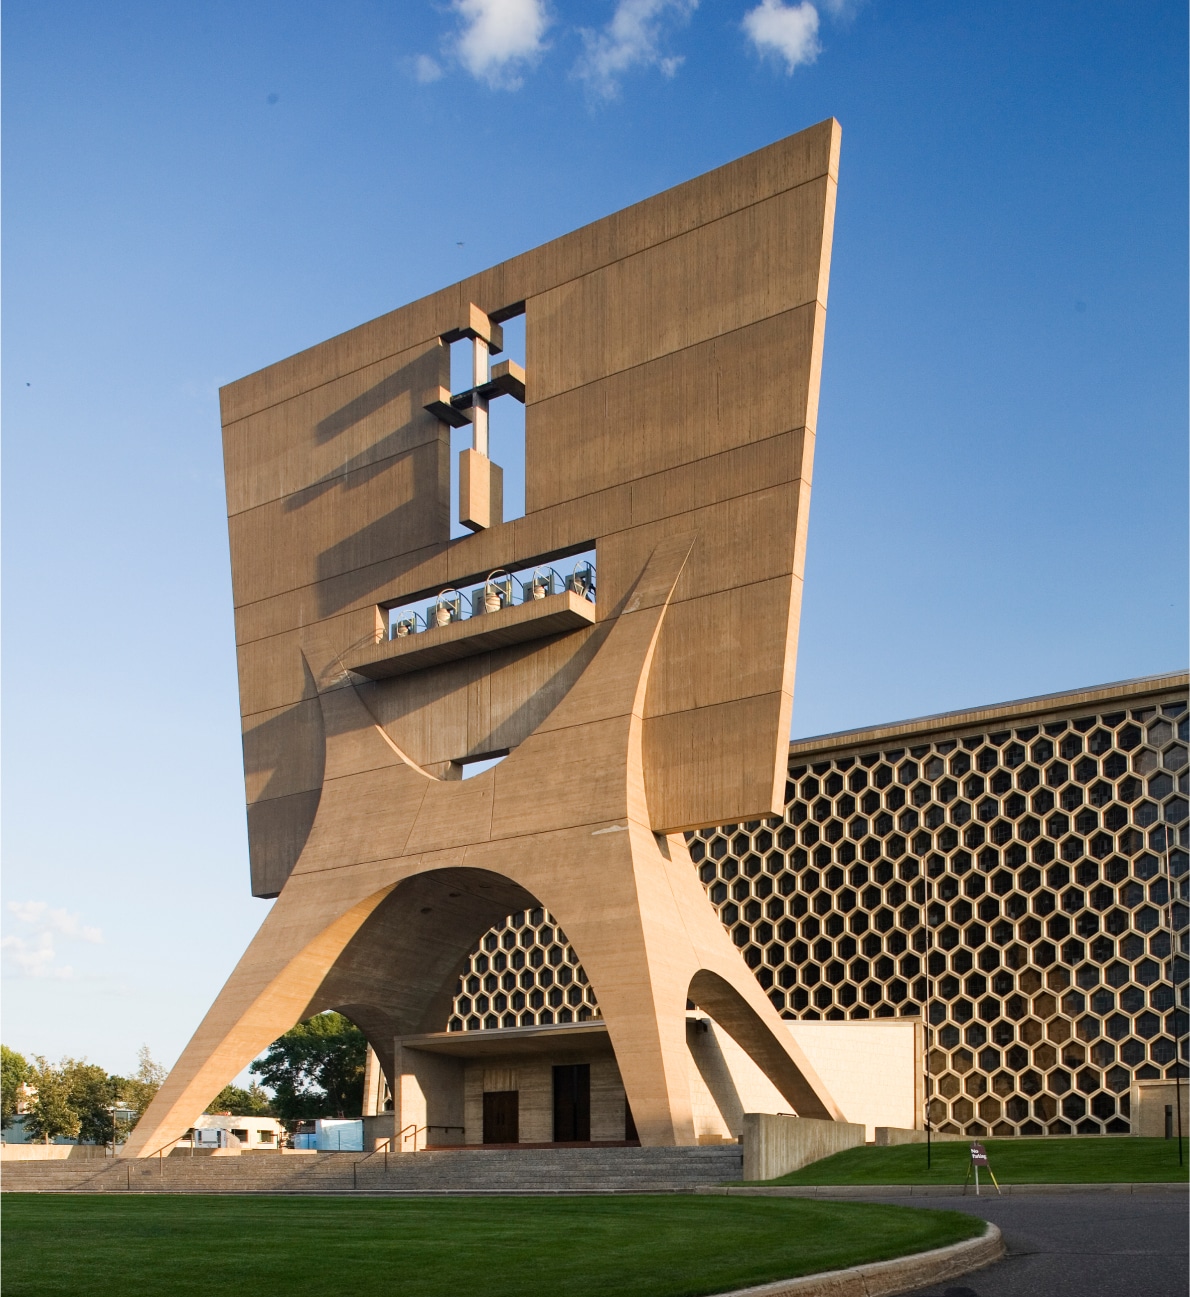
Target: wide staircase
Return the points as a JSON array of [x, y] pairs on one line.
[[459, 1171]]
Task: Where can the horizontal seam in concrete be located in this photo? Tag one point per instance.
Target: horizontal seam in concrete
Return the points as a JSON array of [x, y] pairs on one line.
[[561, 283], [673, 603], [454, 847], [399, 600], [335, 477], [690, 346], [653, 360]]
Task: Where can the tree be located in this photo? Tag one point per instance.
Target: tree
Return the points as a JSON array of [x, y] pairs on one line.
[[252, 1102], [51, 1114], [316, 1069], [93, 1096], [138, 1091], [13, 1072]]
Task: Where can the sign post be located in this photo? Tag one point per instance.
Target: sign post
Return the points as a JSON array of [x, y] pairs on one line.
[[979, 1157]]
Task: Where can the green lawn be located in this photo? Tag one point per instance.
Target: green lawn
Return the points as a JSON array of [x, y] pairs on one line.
[[1061, 1160], [323, 1247]]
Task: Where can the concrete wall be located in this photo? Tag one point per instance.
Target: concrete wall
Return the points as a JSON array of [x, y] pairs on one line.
[[379, 1129], [887, 1136], [870, 1068], [776, 1145], [428, 1093], [51, 1152], [1149, 1101]]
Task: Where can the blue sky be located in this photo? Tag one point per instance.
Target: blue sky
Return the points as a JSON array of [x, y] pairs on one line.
[[193, 192]]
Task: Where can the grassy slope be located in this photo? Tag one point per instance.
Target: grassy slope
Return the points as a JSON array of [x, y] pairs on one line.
[[1015, 1161], [291, 1247]]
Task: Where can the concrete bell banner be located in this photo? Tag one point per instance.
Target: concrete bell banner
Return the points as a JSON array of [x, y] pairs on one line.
[[670, 381]]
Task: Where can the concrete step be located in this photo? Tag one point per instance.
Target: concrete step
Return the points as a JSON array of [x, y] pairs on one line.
[[561, 1170]]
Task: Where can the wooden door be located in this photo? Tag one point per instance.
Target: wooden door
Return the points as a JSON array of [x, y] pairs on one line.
[[572, 1103], [501, 1117]]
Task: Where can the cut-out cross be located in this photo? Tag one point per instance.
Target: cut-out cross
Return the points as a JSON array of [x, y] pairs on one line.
[[480, 490]]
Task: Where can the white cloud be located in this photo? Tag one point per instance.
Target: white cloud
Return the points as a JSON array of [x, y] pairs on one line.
[[630, 40], [426, 69], [789, 31], [498, 37], [36, 956], [41, 915]]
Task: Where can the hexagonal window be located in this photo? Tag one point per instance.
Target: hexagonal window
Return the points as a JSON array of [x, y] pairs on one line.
[[1147, 972], [1146, 918], [989, 1109], [1099, 794], [1099, 742], [1160, 786], [1145, 761], [1087, 1028], [1086, 821], [1129, 789], [1147, 1025], [1160, 733]]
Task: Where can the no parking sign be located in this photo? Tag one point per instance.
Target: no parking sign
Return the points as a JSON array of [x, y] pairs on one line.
[[979, 1157]]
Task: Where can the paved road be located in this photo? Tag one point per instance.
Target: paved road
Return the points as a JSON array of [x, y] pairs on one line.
[[1077, 1245]]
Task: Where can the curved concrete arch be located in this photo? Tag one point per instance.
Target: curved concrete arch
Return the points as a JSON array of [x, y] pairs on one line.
[[777, 1056], [400, 969], [370, 913]]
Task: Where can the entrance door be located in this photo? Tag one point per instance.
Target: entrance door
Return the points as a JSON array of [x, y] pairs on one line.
[[572, 1103], [501, 1117]]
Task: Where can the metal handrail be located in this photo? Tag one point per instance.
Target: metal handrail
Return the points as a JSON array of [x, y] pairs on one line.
[[413, 1130], [355, 1166], [382, 1147]]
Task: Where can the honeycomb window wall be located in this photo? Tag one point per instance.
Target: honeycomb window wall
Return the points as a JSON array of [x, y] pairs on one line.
[[523, 973], [1016, 877]]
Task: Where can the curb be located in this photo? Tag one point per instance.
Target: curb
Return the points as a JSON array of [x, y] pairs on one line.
[[934, 1190], [886, 1278]]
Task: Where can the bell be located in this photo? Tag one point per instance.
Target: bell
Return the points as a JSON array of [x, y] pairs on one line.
[[442, 615], [538, 590], [491, 600]]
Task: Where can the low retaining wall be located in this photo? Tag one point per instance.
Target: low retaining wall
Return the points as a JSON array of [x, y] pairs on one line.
[[776, 1144], [886, 1136], [866, 1191], [886, 1278], [52, 1152]]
